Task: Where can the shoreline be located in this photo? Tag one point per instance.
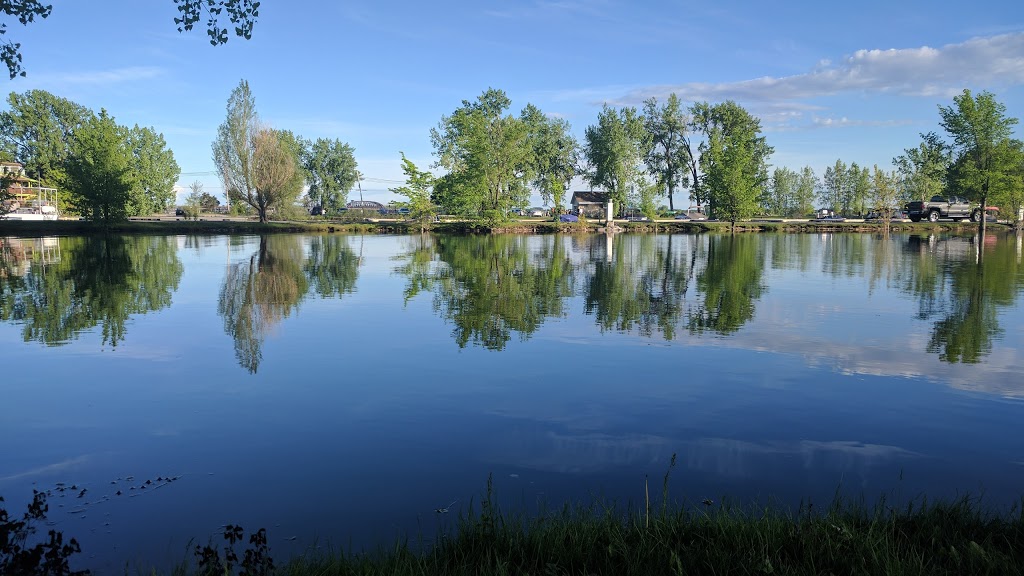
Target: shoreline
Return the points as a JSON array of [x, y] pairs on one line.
[[241, 226]]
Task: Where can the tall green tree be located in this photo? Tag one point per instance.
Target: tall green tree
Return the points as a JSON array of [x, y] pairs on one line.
[[242, 15], [885, 194], [155, 169], [614, 151], [734, 159], [923, 170], [834, 186], [555, 155], [100, 173], [980, 131], [860, 189], [233, 149], [781, 199], [418, 188], [488, 155], [37, 131], [331, 171], [806, 191], [667, 154]]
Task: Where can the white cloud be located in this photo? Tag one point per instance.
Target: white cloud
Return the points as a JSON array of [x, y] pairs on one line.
[[783, 103], [923, 71]]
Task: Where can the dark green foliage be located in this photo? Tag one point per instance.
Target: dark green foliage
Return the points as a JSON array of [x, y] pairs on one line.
[[47, 558], [255, 560]]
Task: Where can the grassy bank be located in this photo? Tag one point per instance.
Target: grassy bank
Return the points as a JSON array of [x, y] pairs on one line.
[[847, 538], [926, 538]]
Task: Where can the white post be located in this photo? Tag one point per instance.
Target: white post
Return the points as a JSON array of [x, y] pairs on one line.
[[608, 212]]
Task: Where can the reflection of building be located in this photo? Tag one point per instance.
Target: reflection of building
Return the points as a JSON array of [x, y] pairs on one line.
[[18, 254], [589, 204]]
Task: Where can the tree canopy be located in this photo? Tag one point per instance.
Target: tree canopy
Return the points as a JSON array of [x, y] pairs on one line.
[[733, 159], [487, 156], [241, 14], [980, 131]]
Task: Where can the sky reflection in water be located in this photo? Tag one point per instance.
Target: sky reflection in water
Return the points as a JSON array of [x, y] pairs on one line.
[[344, 387]]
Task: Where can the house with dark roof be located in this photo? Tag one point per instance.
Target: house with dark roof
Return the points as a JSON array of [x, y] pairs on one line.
[[589, 204]]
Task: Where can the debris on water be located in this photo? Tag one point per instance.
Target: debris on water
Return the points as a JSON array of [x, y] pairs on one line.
[[513, 475], [445, 509], [292, 539], [707, 501]]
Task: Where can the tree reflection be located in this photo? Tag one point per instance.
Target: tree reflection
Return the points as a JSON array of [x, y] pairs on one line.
[[641, 284], [332, 267], [985, 278], [59, 288], [492, 287], [261, 291], [731, 281]]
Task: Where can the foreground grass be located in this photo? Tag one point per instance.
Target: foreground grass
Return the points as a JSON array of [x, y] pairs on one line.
[[926, 538]]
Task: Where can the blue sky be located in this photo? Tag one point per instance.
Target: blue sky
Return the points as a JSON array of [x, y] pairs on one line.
[[854, 81]]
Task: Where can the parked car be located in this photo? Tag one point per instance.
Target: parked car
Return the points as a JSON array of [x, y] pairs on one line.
[[179, 211], [316, 211], [874, 216], [638, 219], [682, 216], [568, 218]]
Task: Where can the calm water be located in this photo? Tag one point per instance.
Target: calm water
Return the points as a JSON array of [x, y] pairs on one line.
[[339, 389]]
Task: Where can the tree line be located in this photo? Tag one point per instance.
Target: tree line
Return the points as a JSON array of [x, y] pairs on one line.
[[716, 154], [492, 160], [103, 171]]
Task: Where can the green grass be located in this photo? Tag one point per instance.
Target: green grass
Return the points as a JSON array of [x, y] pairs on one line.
[[849, 538]]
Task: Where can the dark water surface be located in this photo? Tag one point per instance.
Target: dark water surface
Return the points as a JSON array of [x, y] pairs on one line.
[[339, 389]]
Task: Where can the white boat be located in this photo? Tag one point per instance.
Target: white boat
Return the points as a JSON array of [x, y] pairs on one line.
[[44, 212], [43, 207]]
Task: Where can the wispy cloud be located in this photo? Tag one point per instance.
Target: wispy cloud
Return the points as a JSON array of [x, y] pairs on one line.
[[785, 102], [98, 77], [923, 71]]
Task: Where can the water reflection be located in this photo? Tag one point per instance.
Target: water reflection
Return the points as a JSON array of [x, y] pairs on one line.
[[261, 291], [491, 287], [641, 283], [731, 281], [332, 266], [985, 277], [58, 289]]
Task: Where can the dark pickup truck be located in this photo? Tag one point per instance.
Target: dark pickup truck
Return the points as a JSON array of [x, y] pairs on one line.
[[953, 208]]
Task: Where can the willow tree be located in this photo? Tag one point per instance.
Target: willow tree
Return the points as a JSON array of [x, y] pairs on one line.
[[276, 171]]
